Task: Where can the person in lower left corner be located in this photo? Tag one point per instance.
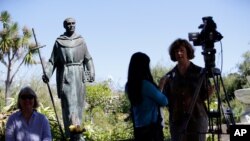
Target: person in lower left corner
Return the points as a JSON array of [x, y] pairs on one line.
[[145, 99], [27, 124]]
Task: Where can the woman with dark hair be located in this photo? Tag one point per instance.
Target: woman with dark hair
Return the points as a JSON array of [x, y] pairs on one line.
[[179, 86], [27, 124], [145, 99]]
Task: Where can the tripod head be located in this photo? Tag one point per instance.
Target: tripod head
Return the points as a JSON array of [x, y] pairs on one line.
[[206, 38]]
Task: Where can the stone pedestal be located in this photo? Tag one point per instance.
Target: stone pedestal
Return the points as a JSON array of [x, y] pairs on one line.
[[243, 95]]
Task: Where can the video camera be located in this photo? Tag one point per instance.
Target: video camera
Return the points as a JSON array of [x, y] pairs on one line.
[[206, 38]]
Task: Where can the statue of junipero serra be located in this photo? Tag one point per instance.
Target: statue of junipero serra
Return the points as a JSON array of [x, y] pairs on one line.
[[71, 59]]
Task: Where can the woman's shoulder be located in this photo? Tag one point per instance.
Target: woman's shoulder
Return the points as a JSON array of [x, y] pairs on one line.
[[15, 113]]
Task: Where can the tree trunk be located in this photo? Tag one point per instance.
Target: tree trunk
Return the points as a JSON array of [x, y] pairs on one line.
[[7, 93], [8, 83]]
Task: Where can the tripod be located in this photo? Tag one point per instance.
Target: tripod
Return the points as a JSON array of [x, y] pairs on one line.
[[215, 116], [206, 38]]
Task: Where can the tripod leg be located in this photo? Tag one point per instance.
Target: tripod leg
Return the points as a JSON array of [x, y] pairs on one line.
[[223, 109], [217, 115], [227, 112]]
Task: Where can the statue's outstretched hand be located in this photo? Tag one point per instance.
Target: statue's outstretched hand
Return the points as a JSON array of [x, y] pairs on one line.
[[45, 78]]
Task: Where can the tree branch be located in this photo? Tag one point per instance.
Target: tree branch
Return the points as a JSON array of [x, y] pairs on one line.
[[19, 66], [4, 62]]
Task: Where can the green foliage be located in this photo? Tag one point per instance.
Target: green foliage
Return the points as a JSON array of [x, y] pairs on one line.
[[238, 108], [106, 114], [12, 44], [166, 123], [122, 104], [98, 95], [50, 114], [6, 112], [158, 71], [108, 127], [245, 65], [122, 130], [14, 49], [234, 81], [211, 138], [1, 100], [13, 102]]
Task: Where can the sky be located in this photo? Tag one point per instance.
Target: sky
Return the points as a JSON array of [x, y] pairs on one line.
[[115, 29]]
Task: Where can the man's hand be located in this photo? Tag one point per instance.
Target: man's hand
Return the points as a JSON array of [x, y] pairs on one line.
[[45, 78]]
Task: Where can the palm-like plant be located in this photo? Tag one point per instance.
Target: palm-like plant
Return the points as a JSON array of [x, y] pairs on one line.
[[14, 49]]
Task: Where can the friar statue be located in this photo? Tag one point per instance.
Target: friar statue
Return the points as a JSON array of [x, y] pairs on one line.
[[74, 66]]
